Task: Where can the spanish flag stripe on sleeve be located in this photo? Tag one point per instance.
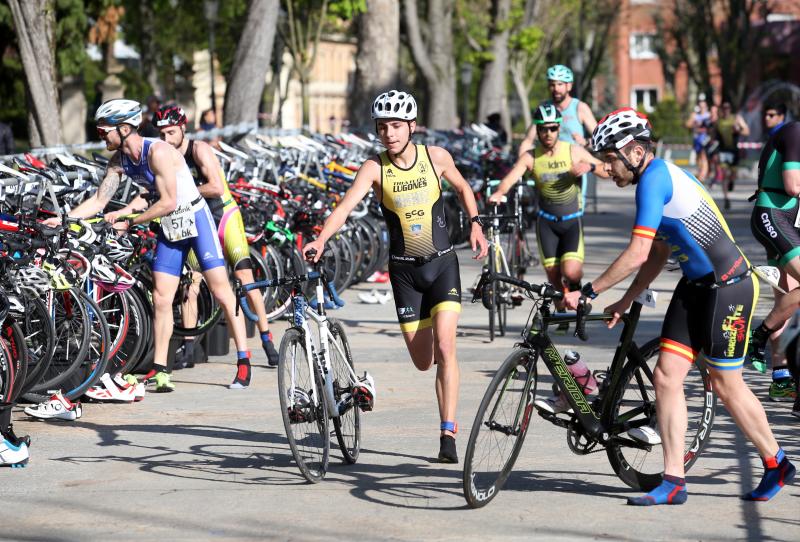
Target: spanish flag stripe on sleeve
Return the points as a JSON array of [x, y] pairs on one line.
[[644, 231]]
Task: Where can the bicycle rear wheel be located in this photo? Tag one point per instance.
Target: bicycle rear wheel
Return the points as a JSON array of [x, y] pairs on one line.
[[633, 404], [499, 429], [348, 424], [305, 414]]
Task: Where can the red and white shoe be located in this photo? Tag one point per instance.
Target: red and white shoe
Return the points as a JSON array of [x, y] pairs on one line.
[[108, 391], [123, 382], [57, 407], [379, 277]]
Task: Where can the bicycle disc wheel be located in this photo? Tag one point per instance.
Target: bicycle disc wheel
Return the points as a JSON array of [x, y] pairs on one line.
[[209, 310], [499, 429], [348, 424], [633, 404], [305, 416]]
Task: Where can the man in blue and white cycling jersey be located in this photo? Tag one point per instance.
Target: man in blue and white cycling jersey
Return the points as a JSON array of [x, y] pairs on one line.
[[711, 307], [186, 223]]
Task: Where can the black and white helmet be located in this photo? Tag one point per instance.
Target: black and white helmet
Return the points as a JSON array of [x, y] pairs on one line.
[[619, 128], [394, 104], [119, 111]]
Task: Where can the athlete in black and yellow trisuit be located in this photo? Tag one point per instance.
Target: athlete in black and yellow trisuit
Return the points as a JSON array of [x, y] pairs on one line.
[[423, 267], [557, 167], [209, 177]]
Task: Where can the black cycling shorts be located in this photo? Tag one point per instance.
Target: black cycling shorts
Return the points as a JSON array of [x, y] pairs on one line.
[[715, 321], [421, 291], [559, 241], [774, 229]]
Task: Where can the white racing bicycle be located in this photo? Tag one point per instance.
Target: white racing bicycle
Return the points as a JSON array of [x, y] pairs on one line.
[[317, 383]]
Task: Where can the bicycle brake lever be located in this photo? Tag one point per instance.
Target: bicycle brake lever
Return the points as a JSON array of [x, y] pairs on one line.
[[582, 311]]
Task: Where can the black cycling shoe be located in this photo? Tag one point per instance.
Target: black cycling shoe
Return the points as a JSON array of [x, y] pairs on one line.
[[272, 354], [447, 449], [14, 439]]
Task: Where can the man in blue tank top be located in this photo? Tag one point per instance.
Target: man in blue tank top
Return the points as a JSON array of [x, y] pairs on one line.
[[186, 224], [577, 118]]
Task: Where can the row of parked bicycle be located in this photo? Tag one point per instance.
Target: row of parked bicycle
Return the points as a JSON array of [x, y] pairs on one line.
[[76, 300]]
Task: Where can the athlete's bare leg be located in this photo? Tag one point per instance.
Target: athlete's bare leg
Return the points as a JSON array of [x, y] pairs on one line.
[[439, 343], [668, 377]]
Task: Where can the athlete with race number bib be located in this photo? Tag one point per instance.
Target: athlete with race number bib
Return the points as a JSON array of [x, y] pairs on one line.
[[209, 178], [711, 307], [423, 266], [557, 167], [186, 222]]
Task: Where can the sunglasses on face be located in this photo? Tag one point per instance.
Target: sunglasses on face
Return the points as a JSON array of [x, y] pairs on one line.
[[103, 131], [770, 115], [544, 129]]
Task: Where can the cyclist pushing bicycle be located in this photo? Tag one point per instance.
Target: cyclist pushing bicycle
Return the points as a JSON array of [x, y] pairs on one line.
[[711, 307], [557, 167], [423, 266]]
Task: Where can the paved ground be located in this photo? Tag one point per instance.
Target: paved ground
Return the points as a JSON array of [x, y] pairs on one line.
[[206, 462]]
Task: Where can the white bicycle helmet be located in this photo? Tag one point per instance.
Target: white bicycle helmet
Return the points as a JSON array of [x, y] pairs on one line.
[[32, 280], [109, 276], [559, 72], [118, 249], [619, 128], [119, 111], [394, 104]]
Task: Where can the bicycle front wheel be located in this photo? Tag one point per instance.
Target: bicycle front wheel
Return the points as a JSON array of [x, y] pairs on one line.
[[499, 429], [632, 404], [348, 424], [305, 413]]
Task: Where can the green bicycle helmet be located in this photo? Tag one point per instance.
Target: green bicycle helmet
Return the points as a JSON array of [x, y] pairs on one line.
[[559, 72]]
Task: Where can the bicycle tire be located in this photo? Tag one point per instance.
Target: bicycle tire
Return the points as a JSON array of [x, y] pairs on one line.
[[72, 340], [96, 361], [482, 482], [209, 311], [129, 352], [700, 402], [348, 424], [310, 446], [14, 340], [40, 338]]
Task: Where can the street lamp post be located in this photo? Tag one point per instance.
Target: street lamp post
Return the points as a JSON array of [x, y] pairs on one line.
[[211, 9], [466, 79]]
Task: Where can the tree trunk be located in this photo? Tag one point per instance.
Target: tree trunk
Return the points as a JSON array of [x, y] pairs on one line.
[[253, 54], [493, 96], [435, 59], [378, 58], [34, 21], [518, 78], [305, 81]]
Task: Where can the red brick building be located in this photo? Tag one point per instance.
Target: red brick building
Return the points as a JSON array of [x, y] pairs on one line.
[[640, 80]]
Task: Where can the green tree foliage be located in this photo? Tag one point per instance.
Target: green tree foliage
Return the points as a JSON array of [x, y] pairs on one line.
[[667, 121]]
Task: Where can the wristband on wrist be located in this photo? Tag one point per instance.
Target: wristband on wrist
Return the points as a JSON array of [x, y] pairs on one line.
[[130, 221], [592, 167], [588, 291]]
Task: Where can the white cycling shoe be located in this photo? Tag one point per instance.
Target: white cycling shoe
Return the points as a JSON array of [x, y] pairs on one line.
[[646, 435], [556, 404], [57, 407], [374, 297], [13, 456]]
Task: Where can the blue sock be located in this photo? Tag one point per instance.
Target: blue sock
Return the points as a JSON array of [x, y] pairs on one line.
[[243, 354], [778, 471], [266, 336], [671, 491]]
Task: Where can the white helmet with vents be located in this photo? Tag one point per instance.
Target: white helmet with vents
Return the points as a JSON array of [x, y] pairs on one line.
[[619, 128], [119, 111], [394, 104]]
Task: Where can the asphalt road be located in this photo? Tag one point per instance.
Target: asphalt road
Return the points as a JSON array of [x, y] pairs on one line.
[[207, 462]]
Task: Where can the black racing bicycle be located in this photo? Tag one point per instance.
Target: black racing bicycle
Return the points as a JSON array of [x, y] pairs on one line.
[[620, 419]]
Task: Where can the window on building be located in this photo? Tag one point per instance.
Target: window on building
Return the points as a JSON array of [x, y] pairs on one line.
[[644, 98], [642, 46]]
